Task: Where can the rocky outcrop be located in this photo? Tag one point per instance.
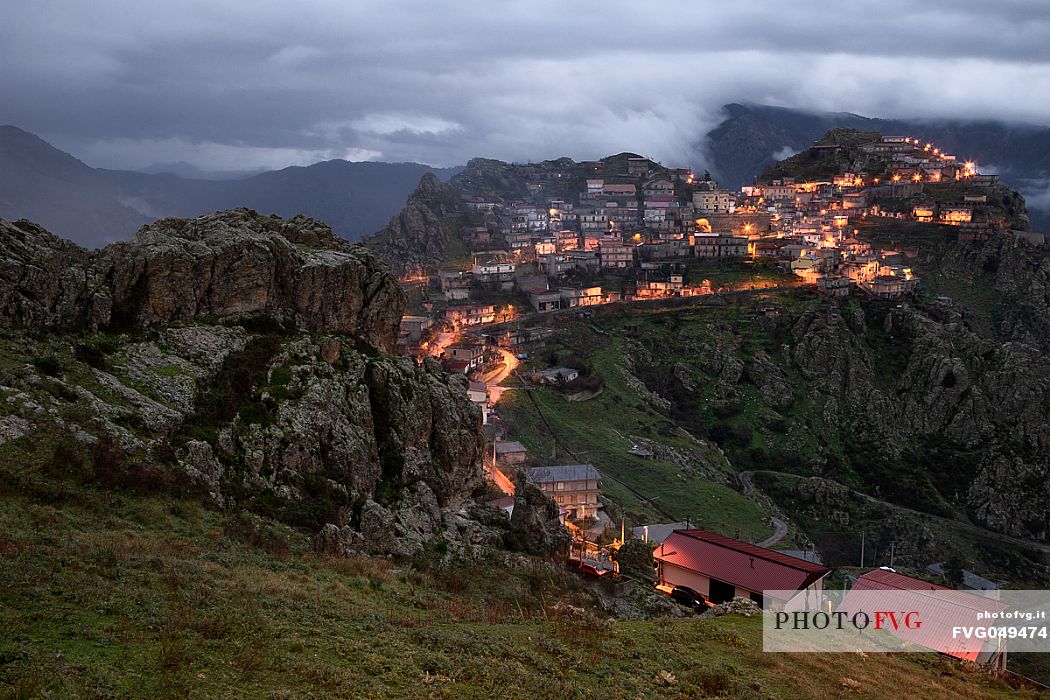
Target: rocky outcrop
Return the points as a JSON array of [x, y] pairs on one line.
[[228, 264], [953, 394], [388, 448], [48, 282], [770, 380], [534, 524], [253, 367], [425, 231], [238, 263]]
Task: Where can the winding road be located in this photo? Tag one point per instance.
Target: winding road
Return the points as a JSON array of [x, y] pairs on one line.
[[780, 531], [975, 530], [780, 528]]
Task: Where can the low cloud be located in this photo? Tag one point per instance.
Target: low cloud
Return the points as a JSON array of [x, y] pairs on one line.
[[217, 83], [138, 154]]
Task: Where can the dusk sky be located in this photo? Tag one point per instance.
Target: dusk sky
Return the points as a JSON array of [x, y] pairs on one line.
[[239, 84]]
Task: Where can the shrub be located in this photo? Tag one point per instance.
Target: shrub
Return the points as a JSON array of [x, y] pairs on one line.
[[92, 355], [245, 528], [67, 458], [49, 365], [710, 682]]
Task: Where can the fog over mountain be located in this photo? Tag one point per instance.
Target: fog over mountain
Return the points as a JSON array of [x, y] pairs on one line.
[[232, 85]]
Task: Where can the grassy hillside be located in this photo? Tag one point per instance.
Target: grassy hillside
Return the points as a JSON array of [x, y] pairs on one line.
[[686, 479], [108, 594], [693, 384]]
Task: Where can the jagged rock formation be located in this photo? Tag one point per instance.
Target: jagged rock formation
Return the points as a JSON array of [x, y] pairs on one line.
[[534, 525], [252, 363], [224, 264], [238, 262], [426, 232]]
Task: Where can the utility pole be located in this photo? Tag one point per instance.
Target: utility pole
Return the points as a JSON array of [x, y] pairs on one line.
[[892, 548], [862, 549]]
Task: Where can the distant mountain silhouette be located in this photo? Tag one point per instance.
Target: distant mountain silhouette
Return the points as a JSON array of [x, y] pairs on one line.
[[752, 137], [43, 184], [93, 206]]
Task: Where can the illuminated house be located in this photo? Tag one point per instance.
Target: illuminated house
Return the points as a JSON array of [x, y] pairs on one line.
[[586, 296], [722, 568], [469, 353], [574, 487], [714, 202], [924, 212], [890, 286], [470, 315], [957, 214], [615, 254]]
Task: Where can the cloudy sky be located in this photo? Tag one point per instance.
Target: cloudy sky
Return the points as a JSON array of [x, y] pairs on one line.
[[245, 84]]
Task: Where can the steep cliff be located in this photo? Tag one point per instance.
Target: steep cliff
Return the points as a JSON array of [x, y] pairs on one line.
[[426, 232], [1005, 278]]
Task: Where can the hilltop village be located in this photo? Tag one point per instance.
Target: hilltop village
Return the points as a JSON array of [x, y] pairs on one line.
[[565, 236], [552, 240]]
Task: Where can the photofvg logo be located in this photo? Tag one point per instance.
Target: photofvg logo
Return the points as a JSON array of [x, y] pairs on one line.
[[975, 625], [840, 620]]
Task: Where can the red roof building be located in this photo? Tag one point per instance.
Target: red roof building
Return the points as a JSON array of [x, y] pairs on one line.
[[723, 568], [941, 609]]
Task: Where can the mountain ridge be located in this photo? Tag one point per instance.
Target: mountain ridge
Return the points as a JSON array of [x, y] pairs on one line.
[[96, 206]]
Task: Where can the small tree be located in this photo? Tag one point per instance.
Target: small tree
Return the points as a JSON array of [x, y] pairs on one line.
[[953, 571]]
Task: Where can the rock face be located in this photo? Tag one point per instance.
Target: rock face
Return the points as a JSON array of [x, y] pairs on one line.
[[534, 525], [425, 231], [1012, 276], [238, 262], [253, 365], [226, 264], [900, 401], [46, 281]]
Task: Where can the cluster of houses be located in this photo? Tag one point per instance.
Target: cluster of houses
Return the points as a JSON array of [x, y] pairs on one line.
[[625, 228]]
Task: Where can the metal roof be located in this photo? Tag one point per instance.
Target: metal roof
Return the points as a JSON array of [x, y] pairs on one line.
[[565, 472], [509, 446], [739, 563], [657, 532], [885, 580], [970, 579], [940, 612]]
